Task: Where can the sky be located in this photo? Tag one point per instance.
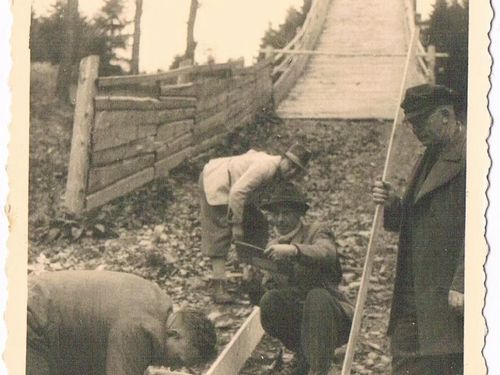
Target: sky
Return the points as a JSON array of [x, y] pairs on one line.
[[237, 34]]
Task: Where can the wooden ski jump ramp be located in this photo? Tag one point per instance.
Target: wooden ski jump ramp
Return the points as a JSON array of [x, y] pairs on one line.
[[358, 63]]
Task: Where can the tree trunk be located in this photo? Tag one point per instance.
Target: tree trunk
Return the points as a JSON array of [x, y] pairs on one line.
[[68, 52], [191, 43], [134, 66]]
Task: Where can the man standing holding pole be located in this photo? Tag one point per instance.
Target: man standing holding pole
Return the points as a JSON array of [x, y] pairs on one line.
[[426, 323]]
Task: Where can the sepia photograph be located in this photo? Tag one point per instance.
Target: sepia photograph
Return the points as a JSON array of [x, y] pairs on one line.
[[228, 187]]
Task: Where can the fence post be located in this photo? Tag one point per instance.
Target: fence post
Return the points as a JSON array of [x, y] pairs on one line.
[[184, 77], [76, 183]]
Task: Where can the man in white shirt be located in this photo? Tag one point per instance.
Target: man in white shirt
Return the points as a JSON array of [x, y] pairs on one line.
[[228, 187]]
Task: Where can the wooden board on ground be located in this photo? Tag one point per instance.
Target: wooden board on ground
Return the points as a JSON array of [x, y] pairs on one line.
[[119, 188], [235, 354]]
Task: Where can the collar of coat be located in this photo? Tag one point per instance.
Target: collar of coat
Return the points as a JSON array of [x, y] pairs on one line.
[[449, 163]]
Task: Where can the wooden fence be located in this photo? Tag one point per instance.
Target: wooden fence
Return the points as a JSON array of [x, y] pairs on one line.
[[130, 130]]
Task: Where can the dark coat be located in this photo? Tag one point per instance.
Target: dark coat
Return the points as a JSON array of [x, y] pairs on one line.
[[318, 263], [96, 322], [431, 223]]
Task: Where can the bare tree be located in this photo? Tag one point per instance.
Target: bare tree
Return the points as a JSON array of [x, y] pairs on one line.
[[191, 43], [68, 50], [134, 66]]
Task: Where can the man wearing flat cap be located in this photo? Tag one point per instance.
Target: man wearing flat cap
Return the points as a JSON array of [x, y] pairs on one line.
[[230, 187], [426, 323], [308, 314]]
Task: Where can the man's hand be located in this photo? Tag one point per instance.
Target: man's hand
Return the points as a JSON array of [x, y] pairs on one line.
[[456, 301], [280, 251], [382, 192], [237, 232]]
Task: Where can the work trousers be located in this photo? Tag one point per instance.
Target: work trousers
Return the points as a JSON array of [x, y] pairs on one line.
[[216, 231], [312, 323]]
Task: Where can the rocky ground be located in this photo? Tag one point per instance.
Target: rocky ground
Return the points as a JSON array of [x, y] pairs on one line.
[[155, 233]]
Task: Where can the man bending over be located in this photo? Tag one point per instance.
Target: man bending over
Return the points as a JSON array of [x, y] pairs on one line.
[[109, 323]]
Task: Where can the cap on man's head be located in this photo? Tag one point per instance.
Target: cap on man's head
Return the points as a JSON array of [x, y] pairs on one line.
[[286, 195], [422, 99], [299, 155]]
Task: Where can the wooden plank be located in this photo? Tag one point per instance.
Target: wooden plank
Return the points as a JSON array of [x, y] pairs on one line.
[[211, 87], [164, 166], [114, 103], [141, 78], [174, 129], [200, 70], [101, 177], [205, 124], [184, 89], [211, 101], [120, 134], [138, 90], [235, 354], [128, 150], [119, 188], [208, 143], [105, 119], [174, 146], [76, 185]]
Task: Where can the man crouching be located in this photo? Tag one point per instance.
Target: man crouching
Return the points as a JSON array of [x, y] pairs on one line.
[[109, 323], [309, 316]]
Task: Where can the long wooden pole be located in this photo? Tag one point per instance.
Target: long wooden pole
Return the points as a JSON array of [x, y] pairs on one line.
[[376, 224]]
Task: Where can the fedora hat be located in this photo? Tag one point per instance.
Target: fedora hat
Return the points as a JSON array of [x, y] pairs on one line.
[[286, 194], [298, 155]]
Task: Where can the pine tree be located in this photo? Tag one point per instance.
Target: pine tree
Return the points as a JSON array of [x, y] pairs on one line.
[[448, 31], [110, 25], [68, 50]]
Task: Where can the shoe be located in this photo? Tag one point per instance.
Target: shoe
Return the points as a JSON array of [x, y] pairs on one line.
[[297, 366], [221, 296]]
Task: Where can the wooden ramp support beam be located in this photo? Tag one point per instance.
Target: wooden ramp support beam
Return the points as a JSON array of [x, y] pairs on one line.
[[241, 346]]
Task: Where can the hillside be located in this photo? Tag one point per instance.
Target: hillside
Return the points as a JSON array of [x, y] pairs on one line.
[[154, 232]]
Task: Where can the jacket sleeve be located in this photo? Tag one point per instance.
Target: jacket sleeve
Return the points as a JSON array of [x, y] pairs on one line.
[[392, 215], [258, 173], [130, 350], [320, 250]]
